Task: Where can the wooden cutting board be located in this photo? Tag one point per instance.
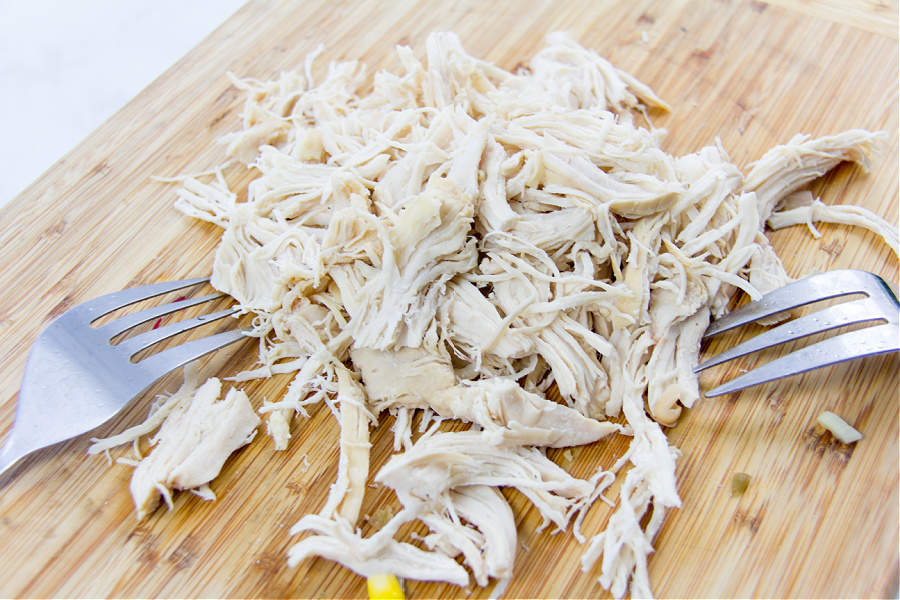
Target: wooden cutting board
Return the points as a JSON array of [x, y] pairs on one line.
[[819, 519]]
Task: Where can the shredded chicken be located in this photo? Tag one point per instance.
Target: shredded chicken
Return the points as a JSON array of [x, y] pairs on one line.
[[806, 210], [197, 433], [464, 242]]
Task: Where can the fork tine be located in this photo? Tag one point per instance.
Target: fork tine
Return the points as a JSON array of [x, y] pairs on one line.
[[172, 358], [848, 346], [849, 313], [140, 342], [103, 305], [124, 323], [822, 286]]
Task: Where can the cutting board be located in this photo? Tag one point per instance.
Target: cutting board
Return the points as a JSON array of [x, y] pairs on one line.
[[819, 519]]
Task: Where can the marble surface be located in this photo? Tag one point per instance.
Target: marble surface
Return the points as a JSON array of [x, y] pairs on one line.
[[56, 61]]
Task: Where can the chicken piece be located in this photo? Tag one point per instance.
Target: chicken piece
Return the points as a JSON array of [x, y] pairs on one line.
[[493, 210], [484, 533], [427, 245], [352, 235], [487, 510], [631, 196], [487, 543], [511, 415], [714, 181], [417, 378], [638, 272], [580, 78], [336, 540], [609, 143], [406, 377], [211, 202], [818, 212], [557, 230], [159, 410], [264, 100], [669, 306], [441, 462], [257, 259], [649, 486], [192, 444], [785, 168], [670, 370], [407, 175], [568, 346], [346, 495], [767, 272], [278, 426], [466, 316]]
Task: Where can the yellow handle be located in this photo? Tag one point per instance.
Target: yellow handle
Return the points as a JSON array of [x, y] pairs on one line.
[[385, 587]]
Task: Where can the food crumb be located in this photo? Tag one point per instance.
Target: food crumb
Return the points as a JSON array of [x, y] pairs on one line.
[[739, 483], [839, 428], [380, 517], [304, 465]]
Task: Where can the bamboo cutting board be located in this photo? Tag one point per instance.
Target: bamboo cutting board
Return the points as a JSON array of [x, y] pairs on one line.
[[819, 519]]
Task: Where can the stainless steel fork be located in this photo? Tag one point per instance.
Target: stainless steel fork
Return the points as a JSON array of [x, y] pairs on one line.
[[879, 304], [76, 379]]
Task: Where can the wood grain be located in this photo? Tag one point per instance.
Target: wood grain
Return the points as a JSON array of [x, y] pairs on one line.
[[877, 16], [819, 519]]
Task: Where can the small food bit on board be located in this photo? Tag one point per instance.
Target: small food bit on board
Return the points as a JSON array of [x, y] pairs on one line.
[[385, 587], [839, 428], [380, 517], [739, 483]]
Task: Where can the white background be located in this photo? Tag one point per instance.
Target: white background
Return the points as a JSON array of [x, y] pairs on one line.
[[67, 65]]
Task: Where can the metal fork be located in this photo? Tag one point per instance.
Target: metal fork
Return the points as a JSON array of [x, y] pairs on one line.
[[879, 304], [76, 379]]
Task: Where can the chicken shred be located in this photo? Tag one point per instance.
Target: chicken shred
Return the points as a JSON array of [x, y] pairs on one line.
[[197, 432], [460, 241]]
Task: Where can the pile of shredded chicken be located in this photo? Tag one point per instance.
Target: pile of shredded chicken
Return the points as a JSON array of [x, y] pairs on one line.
[[457, 240]]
